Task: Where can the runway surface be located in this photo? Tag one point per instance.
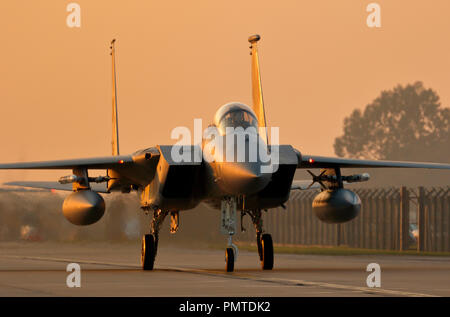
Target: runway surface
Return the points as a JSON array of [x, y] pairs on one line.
[[39, 269]]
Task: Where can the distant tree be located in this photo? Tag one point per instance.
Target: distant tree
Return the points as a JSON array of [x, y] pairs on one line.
[[406, 123]]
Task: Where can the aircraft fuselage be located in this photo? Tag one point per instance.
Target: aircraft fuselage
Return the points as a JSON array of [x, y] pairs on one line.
[[234, 162]]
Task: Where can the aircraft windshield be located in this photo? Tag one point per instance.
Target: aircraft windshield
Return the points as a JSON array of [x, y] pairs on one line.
[[237, 118]]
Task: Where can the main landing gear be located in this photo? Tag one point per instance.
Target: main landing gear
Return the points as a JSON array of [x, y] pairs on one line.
[[150, 241], [263, 241], [228, 227], [148, 252]]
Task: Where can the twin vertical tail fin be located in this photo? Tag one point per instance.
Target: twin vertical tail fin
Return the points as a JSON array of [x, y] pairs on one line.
[[115, 124], [258, 102], [114, 178]]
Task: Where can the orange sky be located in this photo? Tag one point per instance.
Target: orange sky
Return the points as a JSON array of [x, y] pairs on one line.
[[180, 60]]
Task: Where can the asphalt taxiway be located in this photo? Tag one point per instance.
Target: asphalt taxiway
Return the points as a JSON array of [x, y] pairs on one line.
[[113, 269]]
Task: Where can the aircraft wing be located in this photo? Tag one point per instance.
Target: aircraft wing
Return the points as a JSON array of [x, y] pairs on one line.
[[306, 184], [314, 161], [124, 170], [100, 188], [89, 163], [21, 189]]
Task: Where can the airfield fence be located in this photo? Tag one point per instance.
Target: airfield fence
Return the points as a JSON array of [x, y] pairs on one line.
[[383, 223]]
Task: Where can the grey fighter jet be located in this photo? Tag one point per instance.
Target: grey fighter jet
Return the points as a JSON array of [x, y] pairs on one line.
[[223, 170]]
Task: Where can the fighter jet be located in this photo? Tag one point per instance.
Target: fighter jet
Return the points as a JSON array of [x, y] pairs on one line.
[[233, 168]]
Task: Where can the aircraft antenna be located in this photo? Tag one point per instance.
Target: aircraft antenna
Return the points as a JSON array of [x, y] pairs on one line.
[[115, 123]]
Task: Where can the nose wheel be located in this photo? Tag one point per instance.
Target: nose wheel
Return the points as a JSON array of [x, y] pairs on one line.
[[229, 259]]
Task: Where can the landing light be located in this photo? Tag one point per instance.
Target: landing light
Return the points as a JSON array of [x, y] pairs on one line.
[[311, 161]]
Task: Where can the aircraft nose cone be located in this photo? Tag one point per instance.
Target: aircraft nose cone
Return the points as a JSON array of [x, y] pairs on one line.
[[244, 179], [244, 172]]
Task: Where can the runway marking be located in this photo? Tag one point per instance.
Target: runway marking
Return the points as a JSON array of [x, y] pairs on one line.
[[367, 290], [38, 258], [27, 289], [243, 276]]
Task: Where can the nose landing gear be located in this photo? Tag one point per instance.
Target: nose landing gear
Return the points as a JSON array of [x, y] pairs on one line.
[[229, 259], [228, 227]]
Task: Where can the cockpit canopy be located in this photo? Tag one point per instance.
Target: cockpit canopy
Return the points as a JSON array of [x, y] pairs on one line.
[[234, 115]]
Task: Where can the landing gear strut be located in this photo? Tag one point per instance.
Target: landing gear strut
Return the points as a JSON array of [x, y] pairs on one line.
[[150, 241], [174, 221], [263, 241], [228, 227]]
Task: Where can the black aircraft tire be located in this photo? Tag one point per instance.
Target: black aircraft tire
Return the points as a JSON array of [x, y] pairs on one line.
[[258, 243], [148, 252], [229, 259], [267, 252]]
